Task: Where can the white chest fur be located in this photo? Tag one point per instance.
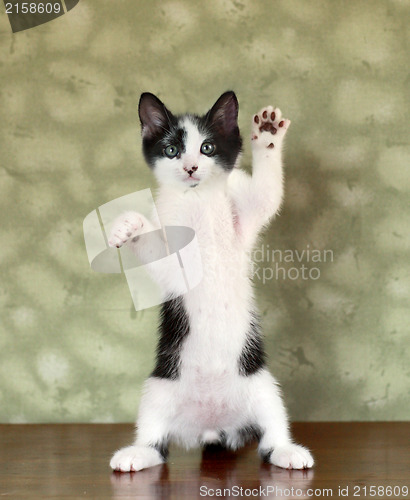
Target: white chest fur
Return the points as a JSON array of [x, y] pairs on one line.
[[219, 307]]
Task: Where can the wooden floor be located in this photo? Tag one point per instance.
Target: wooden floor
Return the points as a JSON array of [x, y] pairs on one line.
[[71, 461]]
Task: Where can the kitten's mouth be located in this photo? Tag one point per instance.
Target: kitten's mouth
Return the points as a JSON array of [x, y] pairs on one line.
[[192, 178]]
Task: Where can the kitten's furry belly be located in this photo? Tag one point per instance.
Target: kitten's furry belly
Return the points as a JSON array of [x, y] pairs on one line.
[[209, 402]]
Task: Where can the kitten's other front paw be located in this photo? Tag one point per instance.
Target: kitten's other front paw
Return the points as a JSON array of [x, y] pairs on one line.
[[291, 456], [126, 227], [269, 128], [135, 458]]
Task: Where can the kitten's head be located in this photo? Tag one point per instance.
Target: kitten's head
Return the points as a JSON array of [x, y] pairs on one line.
[[188, 150]]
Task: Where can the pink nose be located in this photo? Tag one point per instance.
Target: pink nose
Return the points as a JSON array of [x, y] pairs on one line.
[[190, 170]]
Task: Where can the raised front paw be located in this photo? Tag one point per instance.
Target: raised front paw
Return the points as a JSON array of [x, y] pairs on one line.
[[269, 128], [135, 458], [125, 228], [291, 456]]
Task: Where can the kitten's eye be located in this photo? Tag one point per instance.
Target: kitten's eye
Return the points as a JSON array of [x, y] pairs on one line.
[[207, 148], [171, 151]]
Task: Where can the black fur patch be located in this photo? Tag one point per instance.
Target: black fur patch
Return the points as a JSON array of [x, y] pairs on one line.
[[223, 438], [153, 147], [227, 147], [173, 329], [252, 358], [265, 455], [250, 433], [244, 435], [162, 448]]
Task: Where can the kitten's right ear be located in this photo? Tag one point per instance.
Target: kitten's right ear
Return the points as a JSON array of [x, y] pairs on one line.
[[153, 114]]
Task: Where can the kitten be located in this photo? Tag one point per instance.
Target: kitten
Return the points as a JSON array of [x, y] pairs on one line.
[[210, 383]]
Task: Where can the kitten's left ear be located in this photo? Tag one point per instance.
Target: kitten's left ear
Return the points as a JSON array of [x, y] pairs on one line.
[[223, 115]]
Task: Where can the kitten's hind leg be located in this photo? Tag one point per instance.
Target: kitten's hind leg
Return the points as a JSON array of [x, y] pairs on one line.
[[275, 446], [150, 448]]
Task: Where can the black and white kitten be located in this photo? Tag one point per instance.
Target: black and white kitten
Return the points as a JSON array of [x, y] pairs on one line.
[[210, 383]]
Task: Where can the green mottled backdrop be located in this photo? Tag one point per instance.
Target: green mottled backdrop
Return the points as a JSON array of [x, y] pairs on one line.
[[71, 346]]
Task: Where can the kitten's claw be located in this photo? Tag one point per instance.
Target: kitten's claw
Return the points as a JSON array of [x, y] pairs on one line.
[[269, 128], [126, 227]]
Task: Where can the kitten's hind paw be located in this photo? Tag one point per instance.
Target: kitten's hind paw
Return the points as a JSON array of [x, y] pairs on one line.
[[125, 228], [269, 128], [135, 458]]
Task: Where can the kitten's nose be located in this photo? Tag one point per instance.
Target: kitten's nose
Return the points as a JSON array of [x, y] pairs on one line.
[[191, 170]]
